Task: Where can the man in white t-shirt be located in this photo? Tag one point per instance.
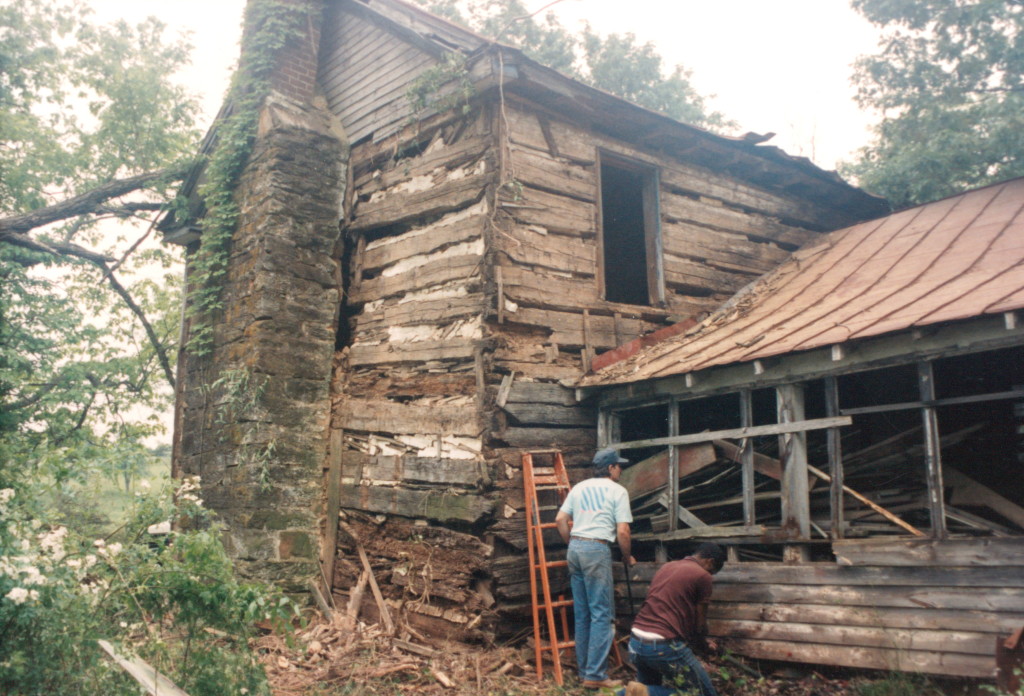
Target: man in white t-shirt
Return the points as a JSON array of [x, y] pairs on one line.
[[598, 509]]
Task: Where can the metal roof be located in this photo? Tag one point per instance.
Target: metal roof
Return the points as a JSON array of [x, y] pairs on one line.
[[952, 259]]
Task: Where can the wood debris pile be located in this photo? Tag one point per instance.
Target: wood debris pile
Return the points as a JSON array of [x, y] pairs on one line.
[[327, 658]]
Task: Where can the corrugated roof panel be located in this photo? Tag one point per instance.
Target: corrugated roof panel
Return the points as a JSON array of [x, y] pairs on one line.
[[952, 259]]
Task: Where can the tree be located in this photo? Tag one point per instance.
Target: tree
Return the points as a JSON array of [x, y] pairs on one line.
[[92, 133], [615, 63], [949, 84]]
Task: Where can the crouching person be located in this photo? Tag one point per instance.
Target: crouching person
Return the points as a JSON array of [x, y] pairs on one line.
[[671, 623]]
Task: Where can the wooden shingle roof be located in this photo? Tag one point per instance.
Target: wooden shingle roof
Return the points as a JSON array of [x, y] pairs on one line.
[[949, 260]]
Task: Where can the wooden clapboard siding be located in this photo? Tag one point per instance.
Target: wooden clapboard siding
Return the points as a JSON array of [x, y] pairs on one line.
[[567, 328], [365, 72], [917, 615]]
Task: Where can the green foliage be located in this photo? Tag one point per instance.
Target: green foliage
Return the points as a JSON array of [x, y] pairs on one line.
[[949, 84], [174, 602], [430, 90], [616, 63], [270, 25], [80, 105]]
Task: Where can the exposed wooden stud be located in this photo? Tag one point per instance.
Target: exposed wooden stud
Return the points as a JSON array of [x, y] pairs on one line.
[[690, 380], [835, 458], [673, 464], [747, 458], [758, 367], [793, 448], [1012, 322], [588, 348], [499, 281], [933, 450], [838, 352]]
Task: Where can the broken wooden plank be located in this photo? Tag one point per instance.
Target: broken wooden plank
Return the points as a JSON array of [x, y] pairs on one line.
[[355, 600], [684, 515], [967, 491], [651, 474], [382, 606], [870, 503], [155, 683]]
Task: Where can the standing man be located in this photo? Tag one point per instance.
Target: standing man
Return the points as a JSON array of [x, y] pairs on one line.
[[672, 620], [598, 509]]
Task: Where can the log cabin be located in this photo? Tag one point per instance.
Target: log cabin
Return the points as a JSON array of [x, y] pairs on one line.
[[437, 235]]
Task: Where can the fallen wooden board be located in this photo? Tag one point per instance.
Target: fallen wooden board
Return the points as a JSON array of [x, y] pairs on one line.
[[649, 475], [151, 680]]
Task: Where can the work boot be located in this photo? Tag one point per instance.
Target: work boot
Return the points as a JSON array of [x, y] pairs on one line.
[[602, 684]]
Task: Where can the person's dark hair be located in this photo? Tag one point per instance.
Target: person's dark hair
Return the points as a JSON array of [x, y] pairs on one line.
[[604, 460], [710, 549]]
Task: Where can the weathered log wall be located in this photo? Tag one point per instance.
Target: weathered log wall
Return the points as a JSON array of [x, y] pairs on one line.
[[921, 606], [406, 420]]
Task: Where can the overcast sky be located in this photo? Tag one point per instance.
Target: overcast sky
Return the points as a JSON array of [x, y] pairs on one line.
[[781, 65]]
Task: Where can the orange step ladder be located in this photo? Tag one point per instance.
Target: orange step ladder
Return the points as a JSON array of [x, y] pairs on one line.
[[536, 479]]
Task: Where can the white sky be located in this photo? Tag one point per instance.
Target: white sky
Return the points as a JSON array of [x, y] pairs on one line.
[[781, 65]]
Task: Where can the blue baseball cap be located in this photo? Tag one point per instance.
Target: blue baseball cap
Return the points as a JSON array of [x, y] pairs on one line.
[[607, 457]]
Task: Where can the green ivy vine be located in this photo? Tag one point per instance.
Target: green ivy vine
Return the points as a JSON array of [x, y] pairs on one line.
[[425, 91], [269, 26]]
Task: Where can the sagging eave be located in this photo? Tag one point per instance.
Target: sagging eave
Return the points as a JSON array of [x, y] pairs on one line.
[[989, 332]]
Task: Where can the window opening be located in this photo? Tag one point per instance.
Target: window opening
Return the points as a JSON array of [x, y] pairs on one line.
[[629, 233]]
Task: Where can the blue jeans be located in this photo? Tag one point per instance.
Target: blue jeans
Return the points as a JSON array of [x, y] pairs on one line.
[[669, 661], [590, 574]]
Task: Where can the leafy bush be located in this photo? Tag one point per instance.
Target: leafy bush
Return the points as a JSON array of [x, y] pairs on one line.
[[173, 601]]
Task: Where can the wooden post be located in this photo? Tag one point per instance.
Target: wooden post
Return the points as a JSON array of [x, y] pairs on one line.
[[932, 451], [835, 458], [673, 465], [329, 550], [747, 458], [796, 509]]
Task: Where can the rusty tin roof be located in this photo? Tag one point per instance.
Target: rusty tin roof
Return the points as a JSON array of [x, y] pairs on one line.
[[952, 259]]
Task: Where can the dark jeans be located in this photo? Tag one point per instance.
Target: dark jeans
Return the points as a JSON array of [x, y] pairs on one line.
[[670, 662]]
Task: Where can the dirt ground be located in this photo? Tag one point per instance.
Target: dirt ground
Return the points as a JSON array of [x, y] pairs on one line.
[[326, 659]]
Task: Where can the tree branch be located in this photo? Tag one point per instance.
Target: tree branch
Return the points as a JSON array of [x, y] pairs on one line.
[[154, 340], [84, 203]]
